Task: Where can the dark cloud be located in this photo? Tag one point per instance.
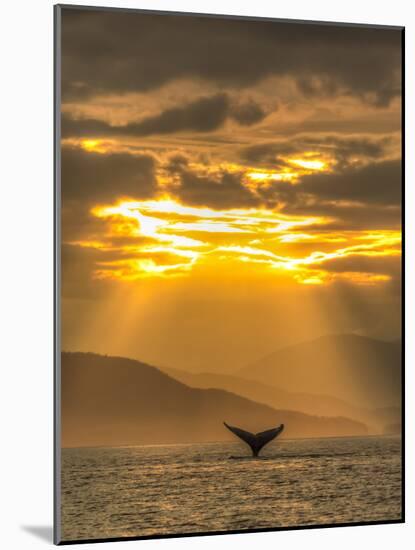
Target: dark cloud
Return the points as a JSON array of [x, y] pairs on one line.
[[78, 265], [94, 177], [310, 86], [89, 179], [365, 197], [345, 217], [331, 120], [347, 149], [176, 164], [115, 52], [368, 196], [342, 149], [390, 266], [84, 127], [78, 224], [222, 190], [203, 115], [206, 114], [377, 183], [354, 263], [266, 154], [247, 113]]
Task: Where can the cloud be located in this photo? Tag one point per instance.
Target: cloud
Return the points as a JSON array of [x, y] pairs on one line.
[[78, 266], [164, 238], [388, 265], [90, 178], [94, 177], [221, 189], [369, 268], [368, 195], [342, 149], [247, 113], [365, 197], [377, 183], [107, 52], [266, 154], [205, 114], [226, 190], [348, 216]]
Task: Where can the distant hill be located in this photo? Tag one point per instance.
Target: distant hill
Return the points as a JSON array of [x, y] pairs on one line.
[[313, 404], [117, 401], [362, 371]]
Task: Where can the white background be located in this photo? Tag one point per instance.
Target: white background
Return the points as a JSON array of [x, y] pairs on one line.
[[26, 307]]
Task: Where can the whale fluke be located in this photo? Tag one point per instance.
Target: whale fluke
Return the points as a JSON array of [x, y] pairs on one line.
[[256, 441]]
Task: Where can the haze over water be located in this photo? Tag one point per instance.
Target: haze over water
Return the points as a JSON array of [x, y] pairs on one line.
[[175, 489]]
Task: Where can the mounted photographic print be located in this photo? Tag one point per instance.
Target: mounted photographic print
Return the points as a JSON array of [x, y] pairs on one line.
[[228, 274]]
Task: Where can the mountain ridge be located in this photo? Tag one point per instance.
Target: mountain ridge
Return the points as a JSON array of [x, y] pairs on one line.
[[312, 404], [119, 401], [362, 371]]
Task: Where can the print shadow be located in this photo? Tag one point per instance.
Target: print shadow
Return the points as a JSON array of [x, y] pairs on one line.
[[43, 532]]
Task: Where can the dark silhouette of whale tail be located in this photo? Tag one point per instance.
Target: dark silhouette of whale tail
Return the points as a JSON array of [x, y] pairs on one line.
[[256, 441]]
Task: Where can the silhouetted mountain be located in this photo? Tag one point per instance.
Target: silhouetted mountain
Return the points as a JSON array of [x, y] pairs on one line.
[[359, 370], [313, 404], [117, 401]]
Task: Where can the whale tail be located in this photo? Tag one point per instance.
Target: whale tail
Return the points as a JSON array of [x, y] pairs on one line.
[[258, 440]]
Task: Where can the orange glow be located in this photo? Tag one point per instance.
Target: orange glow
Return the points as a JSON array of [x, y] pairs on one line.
[[272, 176], [90, 144], [166, 238], [96, 145], [314, 165], [310, 161]]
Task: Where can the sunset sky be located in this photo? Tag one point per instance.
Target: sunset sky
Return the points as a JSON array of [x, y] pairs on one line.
[[228, 186]]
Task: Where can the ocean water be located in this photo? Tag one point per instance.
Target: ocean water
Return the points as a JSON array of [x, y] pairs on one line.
[[175, 489]]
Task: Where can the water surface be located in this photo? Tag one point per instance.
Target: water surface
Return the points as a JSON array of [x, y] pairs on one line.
[[174, 489]]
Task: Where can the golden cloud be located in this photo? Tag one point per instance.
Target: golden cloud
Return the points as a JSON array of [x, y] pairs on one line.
[[165, 238]]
